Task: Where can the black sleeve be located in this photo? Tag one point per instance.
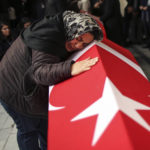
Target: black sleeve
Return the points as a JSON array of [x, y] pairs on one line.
[[48, 69]]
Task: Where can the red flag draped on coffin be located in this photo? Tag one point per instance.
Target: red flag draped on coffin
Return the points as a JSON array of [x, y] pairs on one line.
[[106, 108]]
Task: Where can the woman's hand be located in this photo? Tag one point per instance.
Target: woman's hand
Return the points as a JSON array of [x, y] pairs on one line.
[[82, 66]]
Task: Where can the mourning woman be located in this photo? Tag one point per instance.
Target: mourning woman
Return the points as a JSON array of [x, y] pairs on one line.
[[37, 59]]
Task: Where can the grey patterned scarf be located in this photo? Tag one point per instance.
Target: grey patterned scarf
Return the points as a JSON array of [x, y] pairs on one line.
[[77, 24]]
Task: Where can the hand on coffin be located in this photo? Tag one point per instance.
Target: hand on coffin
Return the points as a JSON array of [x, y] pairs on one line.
[[82, 66]]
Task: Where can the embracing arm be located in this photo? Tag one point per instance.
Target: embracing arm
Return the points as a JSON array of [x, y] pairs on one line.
[[48, 70]]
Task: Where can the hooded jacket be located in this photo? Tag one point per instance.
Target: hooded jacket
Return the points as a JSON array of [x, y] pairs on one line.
[[45, 34], [31, 64], [37, 59]]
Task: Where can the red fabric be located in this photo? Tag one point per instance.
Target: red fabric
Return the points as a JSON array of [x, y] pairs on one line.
[[78, 93]]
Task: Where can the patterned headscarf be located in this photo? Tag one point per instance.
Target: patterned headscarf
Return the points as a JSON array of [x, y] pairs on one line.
[[77, 24]]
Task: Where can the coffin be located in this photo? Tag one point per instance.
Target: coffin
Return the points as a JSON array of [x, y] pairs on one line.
[[105, 108]]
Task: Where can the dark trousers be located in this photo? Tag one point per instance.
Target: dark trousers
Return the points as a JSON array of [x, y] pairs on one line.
[[145, 17], [32, 132]]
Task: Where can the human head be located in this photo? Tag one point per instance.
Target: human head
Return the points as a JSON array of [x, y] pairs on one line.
[[79, 42], [4, 29], [81, 29]]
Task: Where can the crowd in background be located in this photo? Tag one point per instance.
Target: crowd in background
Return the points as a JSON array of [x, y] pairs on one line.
[[126, 21]]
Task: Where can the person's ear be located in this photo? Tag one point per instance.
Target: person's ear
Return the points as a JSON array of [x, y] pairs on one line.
[[67, 45]]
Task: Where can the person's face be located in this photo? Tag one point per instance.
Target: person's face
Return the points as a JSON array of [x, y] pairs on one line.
[[5, 30], [79, 42], [27, 24]]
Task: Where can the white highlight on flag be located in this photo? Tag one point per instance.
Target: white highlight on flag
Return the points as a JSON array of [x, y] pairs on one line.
[[108, 105], [123, 58]]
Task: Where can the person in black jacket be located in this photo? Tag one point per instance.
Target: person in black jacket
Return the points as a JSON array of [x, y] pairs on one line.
[[35, 9], [53, 7], [131, 22], [37, 59], [109, 13], [145, 17]]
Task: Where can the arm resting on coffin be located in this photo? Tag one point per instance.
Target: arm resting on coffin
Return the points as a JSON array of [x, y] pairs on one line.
[[48, 69]]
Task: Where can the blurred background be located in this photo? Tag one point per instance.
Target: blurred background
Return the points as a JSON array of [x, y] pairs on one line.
[[126, 22]]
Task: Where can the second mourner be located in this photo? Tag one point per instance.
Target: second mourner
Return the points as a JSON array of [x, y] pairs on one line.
[[37, 59]]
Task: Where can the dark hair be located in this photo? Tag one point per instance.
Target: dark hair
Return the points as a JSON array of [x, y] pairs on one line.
[[2, 23]]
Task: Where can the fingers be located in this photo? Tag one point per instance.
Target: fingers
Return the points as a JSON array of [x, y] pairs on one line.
[[86, 69], [88, 63], [92, 61], [87, 59], [82, 66]]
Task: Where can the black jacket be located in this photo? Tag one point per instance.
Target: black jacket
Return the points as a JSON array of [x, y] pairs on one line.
[[35, 8], [110, 15], [53, 7], [27, 69], [45, 34], [5, 43], [57, 6]]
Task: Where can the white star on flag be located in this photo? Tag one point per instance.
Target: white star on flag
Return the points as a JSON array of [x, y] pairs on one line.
[[108, 105]]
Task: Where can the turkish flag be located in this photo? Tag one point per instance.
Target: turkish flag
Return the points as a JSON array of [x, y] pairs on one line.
[[105, 108]]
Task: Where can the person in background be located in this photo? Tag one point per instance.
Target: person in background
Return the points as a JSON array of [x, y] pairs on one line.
[[12, 16], [145, 17], [123, 4], [17, 6], [85, 5], [53, 7], [131, 23], [35, 9], [109, 13], [6, 38], [37, 59]]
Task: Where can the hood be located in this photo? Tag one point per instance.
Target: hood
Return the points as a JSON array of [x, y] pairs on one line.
[[77, 24], [46, 35]]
